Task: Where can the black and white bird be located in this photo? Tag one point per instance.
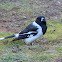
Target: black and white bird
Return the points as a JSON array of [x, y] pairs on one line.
[[32, 32]]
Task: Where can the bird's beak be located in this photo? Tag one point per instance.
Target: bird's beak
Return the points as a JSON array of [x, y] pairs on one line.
[[42, 19]]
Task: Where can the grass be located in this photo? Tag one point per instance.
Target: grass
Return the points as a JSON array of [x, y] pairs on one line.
[[57, 27], [59, 48]]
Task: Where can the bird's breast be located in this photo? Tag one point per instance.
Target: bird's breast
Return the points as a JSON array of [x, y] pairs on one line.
[[39, 30]]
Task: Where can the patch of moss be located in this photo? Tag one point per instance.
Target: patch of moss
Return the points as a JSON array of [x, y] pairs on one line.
[[59, 48]]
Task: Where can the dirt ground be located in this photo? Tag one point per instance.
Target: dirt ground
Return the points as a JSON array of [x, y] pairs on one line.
[[3, 28]]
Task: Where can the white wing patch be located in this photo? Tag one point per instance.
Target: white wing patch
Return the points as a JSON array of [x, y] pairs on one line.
[[30, 36], [30, 32]]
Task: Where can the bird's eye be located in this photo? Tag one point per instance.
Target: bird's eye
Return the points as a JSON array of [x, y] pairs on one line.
[[42, 19]]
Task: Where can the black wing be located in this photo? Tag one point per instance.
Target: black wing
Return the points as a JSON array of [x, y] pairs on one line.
[[29, 28]]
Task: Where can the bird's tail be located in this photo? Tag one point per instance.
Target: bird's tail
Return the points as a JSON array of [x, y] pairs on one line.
[[12, 36]]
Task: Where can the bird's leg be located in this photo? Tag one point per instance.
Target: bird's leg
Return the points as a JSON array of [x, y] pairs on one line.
[[36, 41]]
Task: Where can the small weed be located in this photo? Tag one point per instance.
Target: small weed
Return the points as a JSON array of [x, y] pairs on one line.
[[42, 57], [59, 48]]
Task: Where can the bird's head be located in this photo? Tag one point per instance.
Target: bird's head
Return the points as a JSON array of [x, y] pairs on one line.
[[40, 20]]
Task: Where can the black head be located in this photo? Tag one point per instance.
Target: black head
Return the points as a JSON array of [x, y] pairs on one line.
[[40, 20]]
